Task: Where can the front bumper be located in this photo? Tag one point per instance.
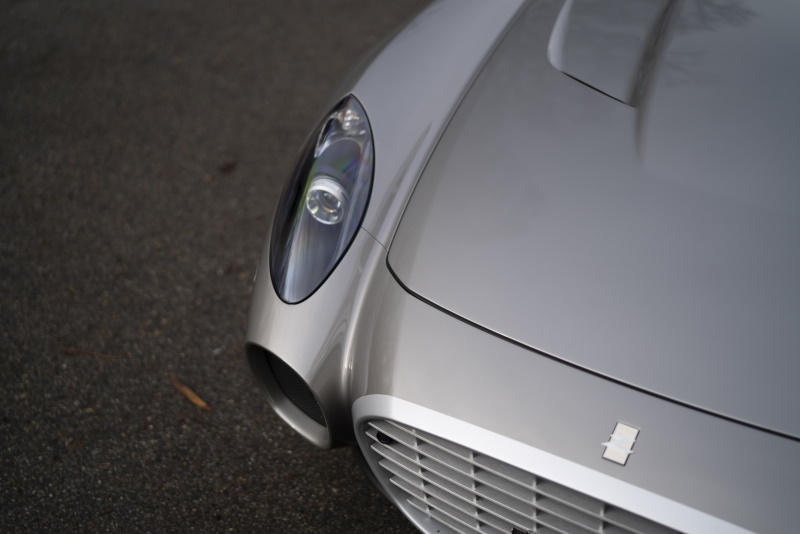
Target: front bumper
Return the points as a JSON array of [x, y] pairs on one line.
[[495, 485], [370, 351]]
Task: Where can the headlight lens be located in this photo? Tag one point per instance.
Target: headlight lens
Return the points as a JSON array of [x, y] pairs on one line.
[[324, 202]]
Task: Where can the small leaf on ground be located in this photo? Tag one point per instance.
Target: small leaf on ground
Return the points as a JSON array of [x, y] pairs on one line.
[[189, 394]]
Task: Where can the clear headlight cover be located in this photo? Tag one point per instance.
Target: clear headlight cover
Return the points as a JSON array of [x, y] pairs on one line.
[[324, 202]]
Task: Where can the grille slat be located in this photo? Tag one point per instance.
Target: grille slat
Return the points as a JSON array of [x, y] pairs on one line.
[[559, 524], [400, 473], [468, 520], [473, 497], [573, 498], [447, 520], [510, 473], [452, 448], [453, 462], [491, 494], [398, 459], [465, 500], [527, 496], [428, 468], [494, 521], [408, 487], [394, 432], [557, 509], [460, 492], [635, 523], [518, 520], [470, 492]]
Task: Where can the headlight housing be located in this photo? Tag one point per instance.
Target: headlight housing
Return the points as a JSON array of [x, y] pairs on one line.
[[323, 203]]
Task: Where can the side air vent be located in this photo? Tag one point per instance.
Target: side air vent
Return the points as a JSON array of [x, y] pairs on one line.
[[290, 395], [295, 388]]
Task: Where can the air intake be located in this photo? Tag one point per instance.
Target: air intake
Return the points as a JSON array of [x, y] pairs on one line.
[[295, 388], [473, 493]]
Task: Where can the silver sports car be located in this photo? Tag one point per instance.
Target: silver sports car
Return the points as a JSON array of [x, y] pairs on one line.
[[539, 261]]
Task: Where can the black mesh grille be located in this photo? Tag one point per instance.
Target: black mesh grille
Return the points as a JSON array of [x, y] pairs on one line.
[[295, 389]]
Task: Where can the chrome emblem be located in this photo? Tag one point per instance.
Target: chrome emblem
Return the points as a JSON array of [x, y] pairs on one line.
[[620, 445]]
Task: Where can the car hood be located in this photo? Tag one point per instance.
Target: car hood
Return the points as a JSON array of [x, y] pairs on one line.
[[655, 242]]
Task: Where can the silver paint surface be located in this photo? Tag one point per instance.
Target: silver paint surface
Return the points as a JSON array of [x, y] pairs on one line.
[[659, 246], [604, 41], [380, 340], [411, 89], [549, 215], [409, 350]]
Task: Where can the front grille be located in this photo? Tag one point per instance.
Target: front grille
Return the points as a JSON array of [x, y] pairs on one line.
[[470, 492]]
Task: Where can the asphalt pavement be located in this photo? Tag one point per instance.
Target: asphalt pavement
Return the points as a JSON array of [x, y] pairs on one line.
[[142, 148]]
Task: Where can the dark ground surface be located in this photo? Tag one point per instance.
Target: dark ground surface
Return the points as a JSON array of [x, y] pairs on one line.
[[142, 146]]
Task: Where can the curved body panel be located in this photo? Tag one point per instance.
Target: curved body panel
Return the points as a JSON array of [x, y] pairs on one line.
[[411, 351], [632, 246], [412, 88], [571, 276], [408, 97]]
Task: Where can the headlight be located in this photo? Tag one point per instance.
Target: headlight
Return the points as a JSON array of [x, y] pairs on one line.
[[324, 202]]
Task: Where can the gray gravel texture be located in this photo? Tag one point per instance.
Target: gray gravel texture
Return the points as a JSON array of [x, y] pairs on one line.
[[142, 148]]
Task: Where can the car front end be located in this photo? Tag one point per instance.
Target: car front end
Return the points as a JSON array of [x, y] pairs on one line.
[[518, 287]]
